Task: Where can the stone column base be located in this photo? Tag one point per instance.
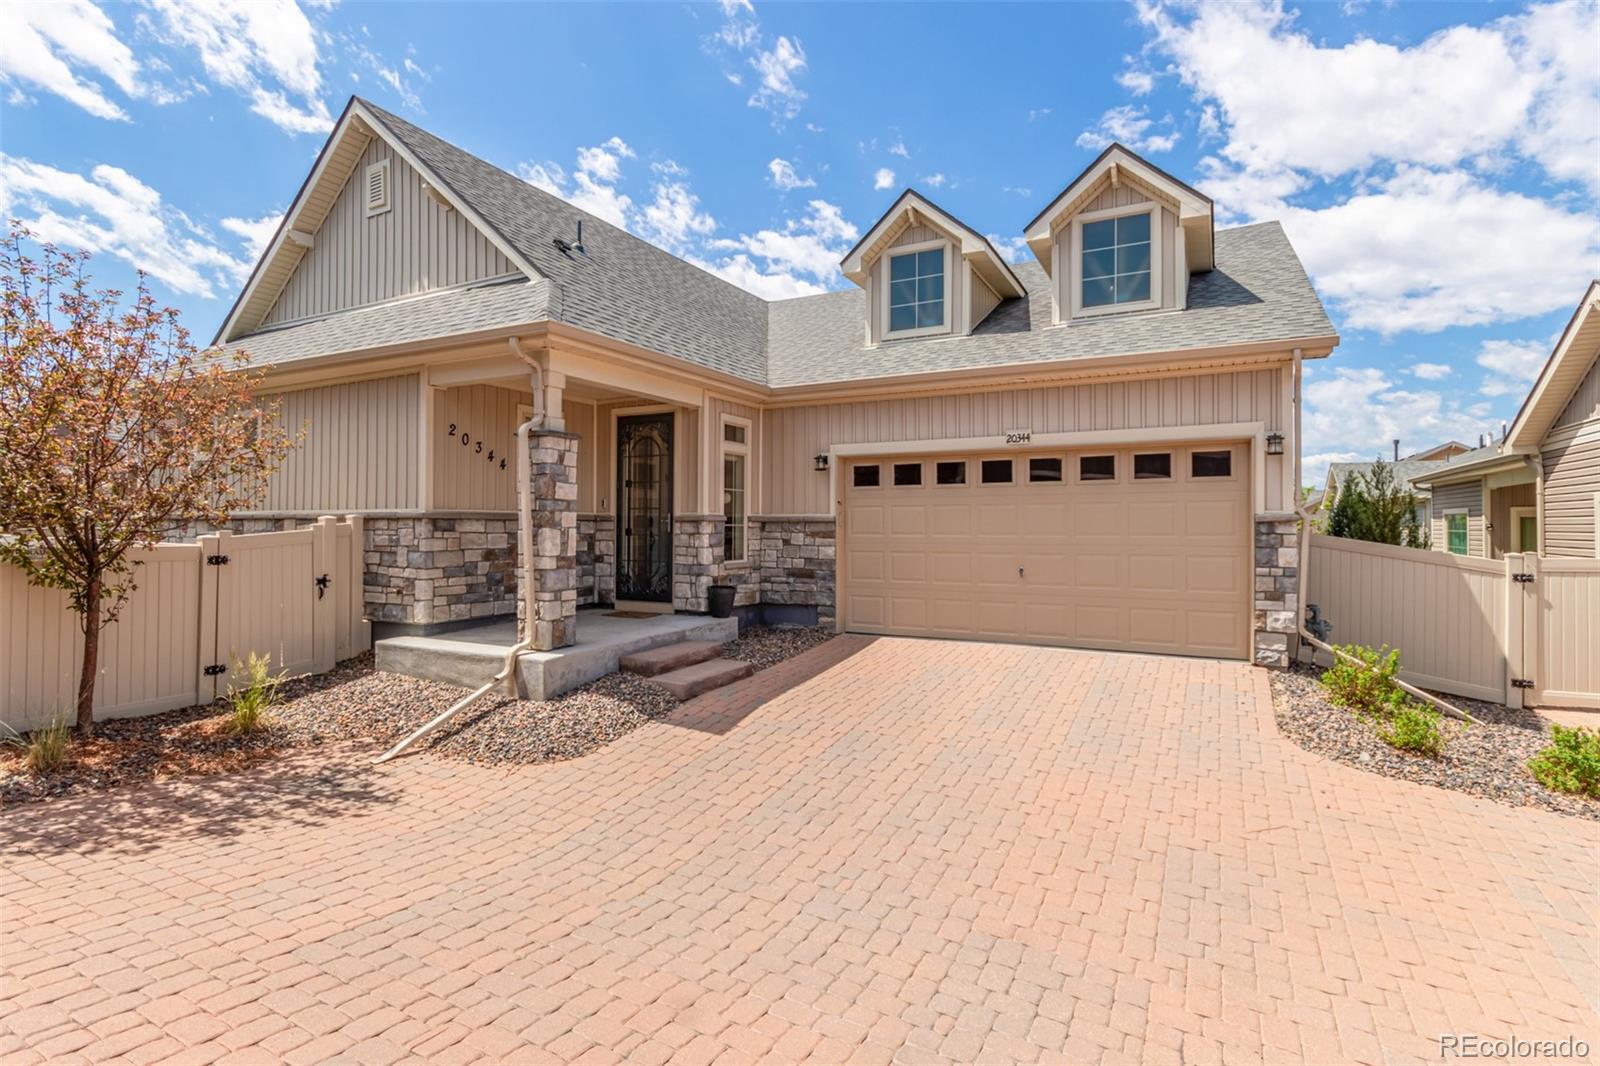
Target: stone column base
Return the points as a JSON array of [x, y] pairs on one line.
[[548, 611], [1277, 584]]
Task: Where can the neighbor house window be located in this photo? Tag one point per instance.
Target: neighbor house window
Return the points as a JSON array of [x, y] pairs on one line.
[[735, 489], [1455, 529], [1116, 260], [916, 290]]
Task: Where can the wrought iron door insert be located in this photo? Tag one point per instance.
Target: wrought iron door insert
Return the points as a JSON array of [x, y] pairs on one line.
[[644, 508]]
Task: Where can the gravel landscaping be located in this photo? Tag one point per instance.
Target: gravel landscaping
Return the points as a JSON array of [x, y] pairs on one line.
[[355, 704], [1487, 760]]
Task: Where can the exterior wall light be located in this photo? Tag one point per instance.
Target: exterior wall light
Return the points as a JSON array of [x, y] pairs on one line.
[[821, 461], [1274, 443]]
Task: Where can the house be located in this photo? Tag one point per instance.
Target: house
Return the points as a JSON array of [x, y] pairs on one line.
[[1404, 469], [1538, 489], [1095, 448]]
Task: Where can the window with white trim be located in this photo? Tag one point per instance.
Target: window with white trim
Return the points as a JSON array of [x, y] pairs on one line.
[[1116, 258], [916, 299], [1455, 530], [735, 488]]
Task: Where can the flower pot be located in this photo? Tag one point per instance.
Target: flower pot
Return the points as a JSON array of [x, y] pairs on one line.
[[719, 600]]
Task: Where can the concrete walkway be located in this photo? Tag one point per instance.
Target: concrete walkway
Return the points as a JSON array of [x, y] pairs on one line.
[[880, 851]]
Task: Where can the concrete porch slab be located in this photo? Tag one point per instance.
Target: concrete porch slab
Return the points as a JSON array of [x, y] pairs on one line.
[[469, 657]]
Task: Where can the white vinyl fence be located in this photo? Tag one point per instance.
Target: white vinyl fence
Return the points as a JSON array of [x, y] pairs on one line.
[[198, 608], [1522, 630]]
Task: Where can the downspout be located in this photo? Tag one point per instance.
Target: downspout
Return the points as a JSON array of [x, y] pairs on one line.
[[506, 678], [1449, 709]]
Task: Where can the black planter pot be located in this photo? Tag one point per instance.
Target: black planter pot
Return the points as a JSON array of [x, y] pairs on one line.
[[719, 600]]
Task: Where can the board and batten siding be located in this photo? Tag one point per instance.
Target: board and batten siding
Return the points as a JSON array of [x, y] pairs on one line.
[[716, 408], [1469, 498], [359, 452], [464, 479], [793, 435], [1572, 490], [415, 246]]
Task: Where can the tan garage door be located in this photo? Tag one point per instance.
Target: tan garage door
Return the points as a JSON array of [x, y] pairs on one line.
[[1139, 549]]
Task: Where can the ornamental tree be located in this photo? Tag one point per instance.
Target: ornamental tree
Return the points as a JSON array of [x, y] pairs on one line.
[[1375, 507], [113, 429]]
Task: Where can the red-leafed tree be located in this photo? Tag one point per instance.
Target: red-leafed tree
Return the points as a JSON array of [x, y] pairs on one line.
[[113, 429]]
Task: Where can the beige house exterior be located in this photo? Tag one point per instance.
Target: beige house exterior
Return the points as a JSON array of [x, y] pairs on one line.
[[1096, 448], [1538, 490]]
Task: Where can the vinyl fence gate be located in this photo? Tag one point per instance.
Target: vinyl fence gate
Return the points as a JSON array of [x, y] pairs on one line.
[[199, 609]]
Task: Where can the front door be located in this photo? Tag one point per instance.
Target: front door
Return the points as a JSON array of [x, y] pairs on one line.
[[644, 497]]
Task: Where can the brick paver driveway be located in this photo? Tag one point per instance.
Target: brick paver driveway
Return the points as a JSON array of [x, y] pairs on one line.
[[884, 850]]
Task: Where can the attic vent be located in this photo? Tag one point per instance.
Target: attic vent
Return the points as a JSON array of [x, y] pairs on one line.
[[378, 188]]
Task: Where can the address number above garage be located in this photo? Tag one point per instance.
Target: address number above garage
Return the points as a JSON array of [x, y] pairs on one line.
[[1019, 436]]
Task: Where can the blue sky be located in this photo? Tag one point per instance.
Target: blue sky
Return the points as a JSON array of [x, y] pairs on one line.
[[1436, 165]]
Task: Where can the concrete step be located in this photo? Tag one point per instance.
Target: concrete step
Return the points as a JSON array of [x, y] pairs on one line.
[[653, 661], [689, 681]]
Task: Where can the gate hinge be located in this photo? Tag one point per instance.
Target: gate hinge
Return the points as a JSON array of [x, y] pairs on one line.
[[1523, 579], [216, 560], [214, 669], [1522, 682]]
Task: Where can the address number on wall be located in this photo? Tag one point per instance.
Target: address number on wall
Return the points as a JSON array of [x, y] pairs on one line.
[[467, 441], [1021, 436]]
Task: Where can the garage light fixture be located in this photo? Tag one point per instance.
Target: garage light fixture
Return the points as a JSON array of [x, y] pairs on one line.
[[1274, 443], [821, 461]]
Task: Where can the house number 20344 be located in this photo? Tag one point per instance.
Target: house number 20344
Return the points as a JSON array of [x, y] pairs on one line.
[[476, 444], [1021, 436]]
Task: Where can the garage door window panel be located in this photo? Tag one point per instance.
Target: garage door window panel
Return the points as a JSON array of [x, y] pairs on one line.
[[907, 475], [1097, 468], [1211, 464], [865, 477], [950, 473], [1152, 466], [996, 472], [1045, 470]]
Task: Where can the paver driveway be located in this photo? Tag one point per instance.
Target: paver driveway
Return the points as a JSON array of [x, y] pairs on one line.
[[882, 850]]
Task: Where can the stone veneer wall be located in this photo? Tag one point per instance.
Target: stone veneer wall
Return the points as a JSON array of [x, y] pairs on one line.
[[597, 559], [427, 571], [797, 557], [553, 515], [1277, 597]]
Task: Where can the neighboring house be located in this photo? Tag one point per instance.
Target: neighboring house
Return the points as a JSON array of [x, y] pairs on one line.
[[1538, 490], [1404, 470], [1094, 448]]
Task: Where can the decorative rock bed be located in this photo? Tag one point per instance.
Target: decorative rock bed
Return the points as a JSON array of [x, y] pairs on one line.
[[356, 704], [1487, 760]]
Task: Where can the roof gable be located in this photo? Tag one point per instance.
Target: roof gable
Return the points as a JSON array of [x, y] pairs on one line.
[[318, 194], [1569, 363], [910, 208], [1113, 167]]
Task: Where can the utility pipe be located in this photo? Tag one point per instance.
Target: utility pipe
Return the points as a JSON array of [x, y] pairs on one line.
[[507, 675], [1445, 707]]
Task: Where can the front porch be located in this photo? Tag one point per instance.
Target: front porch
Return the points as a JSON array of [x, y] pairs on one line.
[[472, 655]]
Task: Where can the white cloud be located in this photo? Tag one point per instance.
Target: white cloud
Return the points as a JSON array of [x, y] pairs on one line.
[[1036, 113], [1525, 81], [1427, 250], [1430, 371], [1011, 249], [934, 180], [1018, 190], [899, 148], [799, 259], [1512, 365], [673, 219], [739, 27], [785, 178], [1137, 82], [267, 51], [1314, 468], [403, 78], [593, 185], [60, 47], [111, 212], [1132, 127], [1359, 411], [256, 232], [777, 68], [883, 179]]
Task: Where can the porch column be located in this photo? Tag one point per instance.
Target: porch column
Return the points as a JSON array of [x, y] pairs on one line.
[[1277, 590], [549, 609]]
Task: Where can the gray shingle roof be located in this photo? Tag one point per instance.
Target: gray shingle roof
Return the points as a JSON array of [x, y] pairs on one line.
[[1404, 471], [632, 291]]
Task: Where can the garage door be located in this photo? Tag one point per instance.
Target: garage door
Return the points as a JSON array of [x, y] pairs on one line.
[[1144, 549]]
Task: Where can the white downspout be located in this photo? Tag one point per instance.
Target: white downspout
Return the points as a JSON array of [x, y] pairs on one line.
[[1301, 576], [506, 678]]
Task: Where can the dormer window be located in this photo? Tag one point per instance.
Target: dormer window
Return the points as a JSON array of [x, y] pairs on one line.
[[916, 290], [1116, 260]]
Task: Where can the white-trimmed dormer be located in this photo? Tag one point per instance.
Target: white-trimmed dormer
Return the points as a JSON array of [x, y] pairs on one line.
[[1123, 237], [926, 273]]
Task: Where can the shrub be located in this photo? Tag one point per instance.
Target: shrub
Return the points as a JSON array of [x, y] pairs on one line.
[[253, 695], [45, 750], [1571, 763], [1366, 686], [1411, 726]]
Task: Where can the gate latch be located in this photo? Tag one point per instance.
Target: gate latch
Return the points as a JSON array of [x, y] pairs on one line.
[[1522, 682], [1522, 579], [216, 560], [322, 586], [215, 669]]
